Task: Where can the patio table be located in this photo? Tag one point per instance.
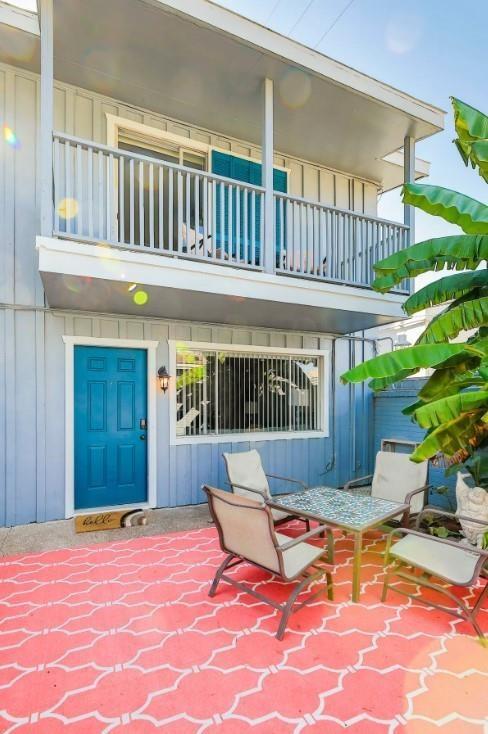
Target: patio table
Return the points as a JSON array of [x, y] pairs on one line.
[[351, 512]]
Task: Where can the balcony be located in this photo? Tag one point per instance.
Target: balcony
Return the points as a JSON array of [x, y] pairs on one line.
[[195, 242], [108, 196]]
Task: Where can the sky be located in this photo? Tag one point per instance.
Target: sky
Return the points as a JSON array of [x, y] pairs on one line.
[[431, 49]]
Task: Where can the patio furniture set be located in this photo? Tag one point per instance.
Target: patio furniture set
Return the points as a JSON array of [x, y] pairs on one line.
[[392, 499]]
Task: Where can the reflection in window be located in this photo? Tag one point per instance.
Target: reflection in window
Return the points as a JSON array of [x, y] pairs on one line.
[[240, 392]]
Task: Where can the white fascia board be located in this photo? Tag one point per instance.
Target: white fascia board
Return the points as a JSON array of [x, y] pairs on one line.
[[82, 260], [268, 41], [18, 18], [422, 167]]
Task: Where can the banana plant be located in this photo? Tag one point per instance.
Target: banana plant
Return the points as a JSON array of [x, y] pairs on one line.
[[452, 405]]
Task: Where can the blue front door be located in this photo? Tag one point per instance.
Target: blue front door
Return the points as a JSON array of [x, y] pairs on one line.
[[110, 426]]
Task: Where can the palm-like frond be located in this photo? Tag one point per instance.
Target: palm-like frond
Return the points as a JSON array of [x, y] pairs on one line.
[[446, 409], [408, 359], [445, 289], [454, 252], [469, 214], [472, 131], [451, 437], [463, 315]]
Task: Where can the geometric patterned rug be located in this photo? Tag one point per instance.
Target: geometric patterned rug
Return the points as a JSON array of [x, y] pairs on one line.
[[122, 638]]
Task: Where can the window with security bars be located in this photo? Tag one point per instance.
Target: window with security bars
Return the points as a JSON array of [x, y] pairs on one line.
[[224, 392]]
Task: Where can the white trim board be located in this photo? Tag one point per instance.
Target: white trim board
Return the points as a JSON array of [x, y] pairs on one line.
[[324, 379], [116, 123], [151, 347]]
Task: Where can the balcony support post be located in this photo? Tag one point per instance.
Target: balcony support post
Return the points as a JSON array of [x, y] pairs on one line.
[[267, 175], [409, 177], [46, 117]]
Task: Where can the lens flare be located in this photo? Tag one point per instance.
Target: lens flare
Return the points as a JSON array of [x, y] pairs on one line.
[[10, 137], [294, 88], [68, 208], [140, 298]]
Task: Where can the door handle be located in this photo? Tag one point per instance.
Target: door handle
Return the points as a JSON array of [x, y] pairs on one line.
[[142, 437]]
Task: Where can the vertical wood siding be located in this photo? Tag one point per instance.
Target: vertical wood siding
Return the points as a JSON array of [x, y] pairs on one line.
[[32, 425], [32, 357]]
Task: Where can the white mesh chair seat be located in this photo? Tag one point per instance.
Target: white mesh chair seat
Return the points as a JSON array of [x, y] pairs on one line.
[[299, 557], [456, 565], [395, 476]]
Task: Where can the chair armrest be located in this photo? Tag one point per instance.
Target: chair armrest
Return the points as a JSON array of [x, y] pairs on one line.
[[445, 513], [288, 479], [302, 538], [442, 541], [408, 501], [365, 480], [408, 497], [248, 489]]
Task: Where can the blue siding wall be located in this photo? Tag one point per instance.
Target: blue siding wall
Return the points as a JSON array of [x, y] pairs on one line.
[[32, 401], [389, 422]]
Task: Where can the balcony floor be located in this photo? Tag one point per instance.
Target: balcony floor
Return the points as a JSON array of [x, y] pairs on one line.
[[101, 279]]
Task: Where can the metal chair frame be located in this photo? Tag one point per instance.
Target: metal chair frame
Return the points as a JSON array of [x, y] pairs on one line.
[[395, 566], [407, 515], [268, 475], [303, 577]]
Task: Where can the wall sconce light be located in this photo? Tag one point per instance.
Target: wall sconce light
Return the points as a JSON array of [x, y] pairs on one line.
[[163, 377]]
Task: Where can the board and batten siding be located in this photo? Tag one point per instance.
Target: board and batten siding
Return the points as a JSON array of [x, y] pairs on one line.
[[32, 429], [32, 358]]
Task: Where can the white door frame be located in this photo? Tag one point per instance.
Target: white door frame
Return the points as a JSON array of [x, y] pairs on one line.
[[151, 347]]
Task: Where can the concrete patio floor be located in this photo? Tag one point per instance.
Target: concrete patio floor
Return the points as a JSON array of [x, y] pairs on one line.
[[37, 537]]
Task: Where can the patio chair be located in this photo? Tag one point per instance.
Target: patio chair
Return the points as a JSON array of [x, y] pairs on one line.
[[247, 534], [398, 479], [452, 562], [247, 477]]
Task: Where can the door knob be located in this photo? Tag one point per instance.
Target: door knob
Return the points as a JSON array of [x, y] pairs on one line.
[[142, 437]]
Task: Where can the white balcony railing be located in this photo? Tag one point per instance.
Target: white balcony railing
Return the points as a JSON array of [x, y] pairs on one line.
[[318, 241], [108, 195]]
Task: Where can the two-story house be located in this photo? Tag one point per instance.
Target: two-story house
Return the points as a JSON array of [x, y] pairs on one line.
[[188, 223]]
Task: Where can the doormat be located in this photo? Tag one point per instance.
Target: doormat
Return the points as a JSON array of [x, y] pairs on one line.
[[109, 520]]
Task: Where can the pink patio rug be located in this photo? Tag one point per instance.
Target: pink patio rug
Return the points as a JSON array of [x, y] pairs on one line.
[[122, 638]]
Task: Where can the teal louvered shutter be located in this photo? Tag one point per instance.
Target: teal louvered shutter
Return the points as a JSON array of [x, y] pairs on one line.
[[247, 171]]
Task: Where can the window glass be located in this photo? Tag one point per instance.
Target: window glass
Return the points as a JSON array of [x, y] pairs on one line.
[[220, 392]]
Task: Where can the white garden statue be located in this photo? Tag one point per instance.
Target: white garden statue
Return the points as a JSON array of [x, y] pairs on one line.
[[472, 502]]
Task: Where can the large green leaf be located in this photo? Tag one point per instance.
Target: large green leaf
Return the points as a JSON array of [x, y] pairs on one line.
[[450, 437], [409, 358], [454, 252], [479, 154], [472, 130], [446, 409], [445, 289], [450, 380], [469, 214], [461, 316]]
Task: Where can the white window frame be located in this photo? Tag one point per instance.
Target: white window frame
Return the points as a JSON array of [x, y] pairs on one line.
[[323, 398]]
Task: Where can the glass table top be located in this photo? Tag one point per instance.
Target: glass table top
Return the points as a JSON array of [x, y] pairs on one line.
[[340, 507]]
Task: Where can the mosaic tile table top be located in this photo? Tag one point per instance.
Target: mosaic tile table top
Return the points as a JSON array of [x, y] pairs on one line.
[[345, 509]]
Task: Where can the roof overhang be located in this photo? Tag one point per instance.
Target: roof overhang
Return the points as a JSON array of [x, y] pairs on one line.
[[199, 63]]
